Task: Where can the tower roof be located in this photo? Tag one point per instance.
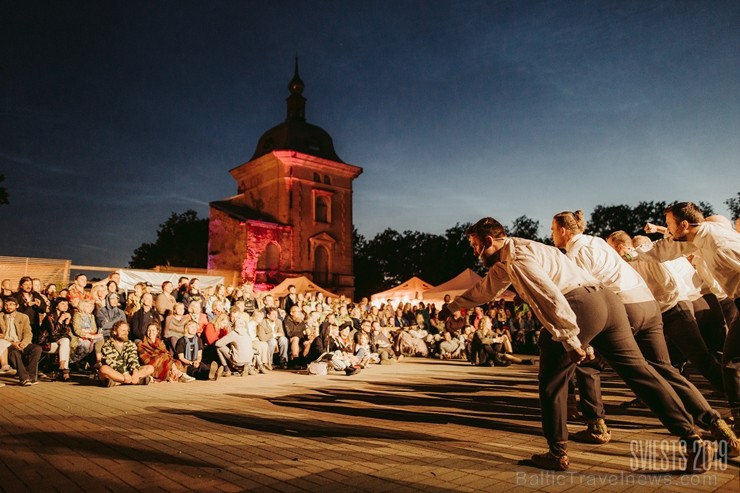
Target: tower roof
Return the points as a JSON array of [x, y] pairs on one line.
[[295, 134]]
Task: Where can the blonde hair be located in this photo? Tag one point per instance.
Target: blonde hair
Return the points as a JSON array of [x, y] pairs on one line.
[[620, 238], [571, 221]]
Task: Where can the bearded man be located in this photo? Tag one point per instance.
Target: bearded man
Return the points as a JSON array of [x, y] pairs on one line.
[[121, 360]]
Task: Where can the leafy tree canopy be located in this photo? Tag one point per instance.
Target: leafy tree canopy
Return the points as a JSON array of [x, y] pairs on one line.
[[734, 205], [182, 240]]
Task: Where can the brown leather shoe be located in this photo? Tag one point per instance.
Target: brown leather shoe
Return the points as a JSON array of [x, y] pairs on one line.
[[550, 461], [596, 433], [699, 455]]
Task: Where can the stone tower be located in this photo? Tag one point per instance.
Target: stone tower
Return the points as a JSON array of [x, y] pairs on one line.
[[292, 214]]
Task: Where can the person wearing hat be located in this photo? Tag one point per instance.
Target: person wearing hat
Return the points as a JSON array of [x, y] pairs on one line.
[[23, 355]]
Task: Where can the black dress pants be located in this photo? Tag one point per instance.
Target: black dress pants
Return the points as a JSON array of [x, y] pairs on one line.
[[603, 323]]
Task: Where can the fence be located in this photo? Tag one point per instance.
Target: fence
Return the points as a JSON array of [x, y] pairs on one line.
[[48, 270]]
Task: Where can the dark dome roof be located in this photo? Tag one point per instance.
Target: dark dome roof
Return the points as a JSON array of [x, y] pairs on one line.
[[297, 135]]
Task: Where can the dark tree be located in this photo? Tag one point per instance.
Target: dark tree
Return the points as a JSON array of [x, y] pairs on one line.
[[3, 192], [706, 208], [607, 219], [734, 205], [392, 257], [524, 227], [181, 241], [367, 274]]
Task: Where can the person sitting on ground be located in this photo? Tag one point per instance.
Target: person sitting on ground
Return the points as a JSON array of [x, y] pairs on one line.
[[412, 341], [85, 336], [381, 341], [295, 331], [347, 344], [329, 349], [261, 348], [152, 351], [56, 334], [121, 360], [489, 348], [236, 352], [23, 355], [271, 331], [174, 326], [189, 350], [110, 313]]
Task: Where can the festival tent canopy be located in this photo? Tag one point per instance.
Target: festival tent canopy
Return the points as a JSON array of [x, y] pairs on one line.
[[302, 285], [454, 287], [129, 277], [412, 289]]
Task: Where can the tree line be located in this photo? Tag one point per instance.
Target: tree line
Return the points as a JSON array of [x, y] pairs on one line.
[[392, 257]]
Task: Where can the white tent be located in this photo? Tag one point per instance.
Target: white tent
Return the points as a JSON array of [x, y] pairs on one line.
[[129, 277], [411, 290], [302, 285], [454, 287]]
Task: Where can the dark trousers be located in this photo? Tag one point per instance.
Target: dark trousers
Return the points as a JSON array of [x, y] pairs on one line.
[[588, 377], [711, 321], [646, 323], [25, 362], [681, 331], [731, 361], [729, 310], [603, 323]]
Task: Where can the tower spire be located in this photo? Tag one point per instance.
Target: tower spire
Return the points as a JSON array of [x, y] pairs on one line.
[[296, 102]]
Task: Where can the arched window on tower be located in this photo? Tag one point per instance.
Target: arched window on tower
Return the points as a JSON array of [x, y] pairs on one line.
[[270, 258], [321, 266], [317, 178], [327, 180], [322, 206]]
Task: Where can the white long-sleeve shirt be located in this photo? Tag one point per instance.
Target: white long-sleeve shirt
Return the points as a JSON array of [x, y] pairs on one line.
[[717, 245], [661, 282], [596, 257], [542, 276]]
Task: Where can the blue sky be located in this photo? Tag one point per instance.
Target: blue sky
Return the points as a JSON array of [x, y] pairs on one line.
[[113, 115]]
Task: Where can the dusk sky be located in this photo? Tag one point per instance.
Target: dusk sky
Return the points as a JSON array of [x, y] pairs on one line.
[[113, 115]]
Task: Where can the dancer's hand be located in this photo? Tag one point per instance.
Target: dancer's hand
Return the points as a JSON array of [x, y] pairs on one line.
[[581, 354]]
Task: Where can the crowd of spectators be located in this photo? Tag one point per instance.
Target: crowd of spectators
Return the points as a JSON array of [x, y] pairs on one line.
[[184, 333]]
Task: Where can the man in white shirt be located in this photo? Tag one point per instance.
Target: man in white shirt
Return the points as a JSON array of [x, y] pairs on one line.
[[576, 312], [595, 256], [719, 248]]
